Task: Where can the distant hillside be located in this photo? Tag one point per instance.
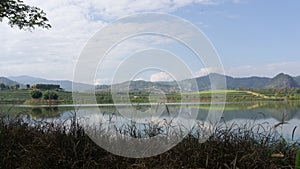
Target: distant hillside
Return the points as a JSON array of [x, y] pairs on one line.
[[297, 79], [203, 83], [65, 84], [282, 81], [232, 83], [141, 86], [7, 81]]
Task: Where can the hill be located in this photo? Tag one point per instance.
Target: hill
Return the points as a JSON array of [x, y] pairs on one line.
[[297, 79], [232, 83], [65, 84], [141, 86], [203, 83], [282, 81], [7, 81]]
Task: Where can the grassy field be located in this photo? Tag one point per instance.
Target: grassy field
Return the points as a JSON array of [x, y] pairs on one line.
[[23, 95], [20, 96]]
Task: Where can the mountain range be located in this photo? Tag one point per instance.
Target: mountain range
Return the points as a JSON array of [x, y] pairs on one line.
[[203, 83], [64, 84]]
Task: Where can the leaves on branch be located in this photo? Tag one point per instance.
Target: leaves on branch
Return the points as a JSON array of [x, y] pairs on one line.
[[23, 16]]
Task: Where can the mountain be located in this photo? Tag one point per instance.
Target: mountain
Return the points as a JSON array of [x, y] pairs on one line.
[[141, 86], [297, 79], [203, 83], [65, 84], [7, 81], [282, 81], [232, 83]]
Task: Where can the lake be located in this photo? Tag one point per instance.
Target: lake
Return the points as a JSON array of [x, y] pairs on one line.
[[267, 113]]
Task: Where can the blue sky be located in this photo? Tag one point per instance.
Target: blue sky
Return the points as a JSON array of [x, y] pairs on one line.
[[257, 32], [252, 37]]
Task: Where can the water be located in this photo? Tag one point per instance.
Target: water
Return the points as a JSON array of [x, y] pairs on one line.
[[268, 113]]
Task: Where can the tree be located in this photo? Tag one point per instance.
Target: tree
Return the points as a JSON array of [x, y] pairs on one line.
[[2, 86], [36, 94], [22, 15], [53, 95], [17, 86], [50, 95]]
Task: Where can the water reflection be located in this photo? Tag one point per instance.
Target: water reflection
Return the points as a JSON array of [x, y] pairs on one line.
[[270, 113]]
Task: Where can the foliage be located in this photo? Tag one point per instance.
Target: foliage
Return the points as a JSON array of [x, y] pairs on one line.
[[36, 94], [50, 95], [297, 163], [38, 144], [46, 86], [23, 96], [23, 16], [9, 87], [2, 86]]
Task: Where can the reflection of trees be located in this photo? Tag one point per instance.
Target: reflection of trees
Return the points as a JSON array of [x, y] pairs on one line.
[[45, 112], [257, 110], [36, 111]]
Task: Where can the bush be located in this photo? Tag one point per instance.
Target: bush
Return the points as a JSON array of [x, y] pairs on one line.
[[41, 144], [36, 94], [50, 95]]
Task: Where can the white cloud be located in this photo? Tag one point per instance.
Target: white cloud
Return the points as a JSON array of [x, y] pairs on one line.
[[140, 78], [73, 23], [161, 76], [103, 81], [268, 70], [208, 70], [114, 9]]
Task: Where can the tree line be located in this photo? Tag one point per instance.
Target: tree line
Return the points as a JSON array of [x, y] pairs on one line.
[[9, 87], [47, 95]]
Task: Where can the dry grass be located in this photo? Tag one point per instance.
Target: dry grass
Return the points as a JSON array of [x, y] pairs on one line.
[[36, 144]]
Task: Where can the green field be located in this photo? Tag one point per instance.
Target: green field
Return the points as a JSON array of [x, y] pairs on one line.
[[23, 95], [20, 96]]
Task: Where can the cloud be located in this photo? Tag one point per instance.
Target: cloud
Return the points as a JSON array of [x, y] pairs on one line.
[[73, 23], [207, 70], [268, 70], [103, 81], [114, 9], [161, 76], [59, 46], [239, 1]]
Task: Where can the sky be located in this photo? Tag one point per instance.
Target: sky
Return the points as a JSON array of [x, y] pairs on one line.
[[251, 37]]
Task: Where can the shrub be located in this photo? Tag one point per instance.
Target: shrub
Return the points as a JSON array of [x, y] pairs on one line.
[[297, 162], [36, 94], [49, 94]]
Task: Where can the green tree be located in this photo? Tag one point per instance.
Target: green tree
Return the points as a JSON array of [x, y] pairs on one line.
[[36, 94], [2, 86], [17, 86], [46, 95], [50, 95], [22, 15]]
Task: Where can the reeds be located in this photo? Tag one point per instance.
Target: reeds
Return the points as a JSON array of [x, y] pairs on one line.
[[26, 143]]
